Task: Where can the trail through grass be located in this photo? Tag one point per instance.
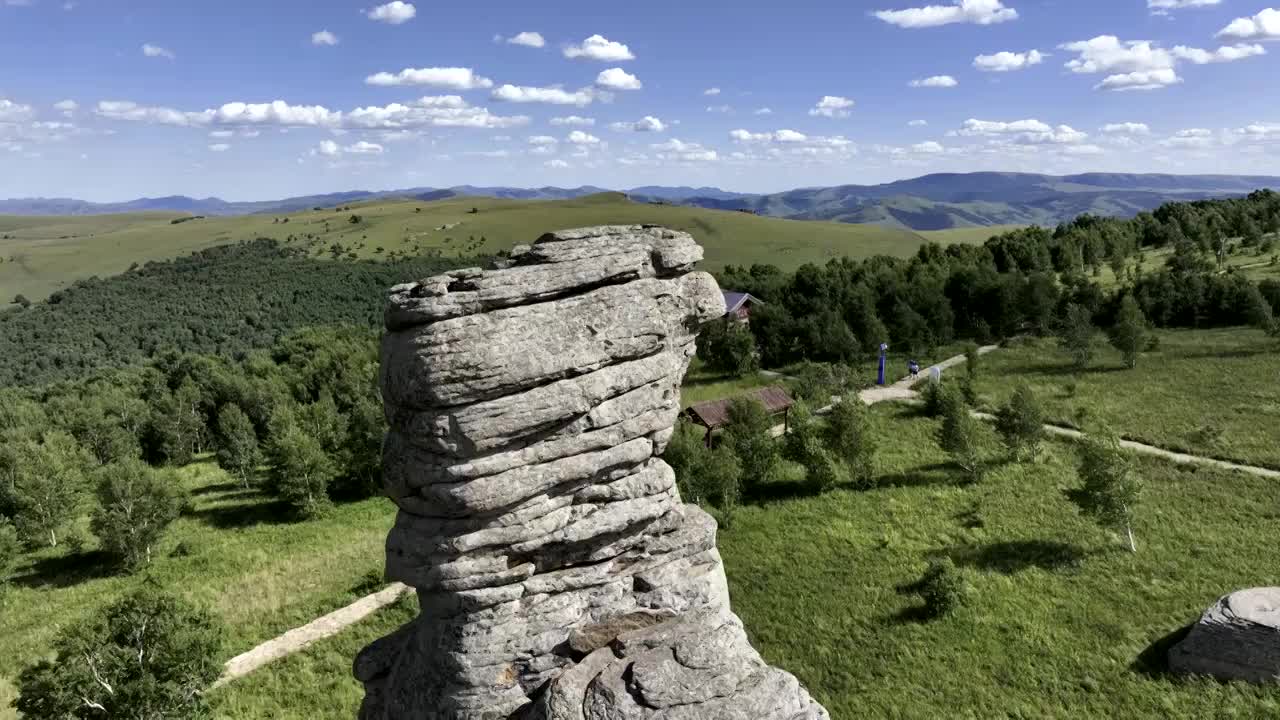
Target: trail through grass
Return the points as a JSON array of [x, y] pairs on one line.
[[1206, 392]]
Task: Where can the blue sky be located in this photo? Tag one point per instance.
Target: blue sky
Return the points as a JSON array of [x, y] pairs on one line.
[[108, 100]]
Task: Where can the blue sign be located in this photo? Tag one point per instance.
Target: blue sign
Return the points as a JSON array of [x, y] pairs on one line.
[[884, 348]]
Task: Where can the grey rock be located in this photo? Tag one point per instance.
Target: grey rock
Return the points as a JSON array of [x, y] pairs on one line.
[[1237, 638], [550, 550]]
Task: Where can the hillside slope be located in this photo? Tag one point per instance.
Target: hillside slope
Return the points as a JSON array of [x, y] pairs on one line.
[[40, 255]]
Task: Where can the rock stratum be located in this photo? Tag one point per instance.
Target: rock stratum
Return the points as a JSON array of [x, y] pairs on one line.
[[559, 575], [1237, 638]]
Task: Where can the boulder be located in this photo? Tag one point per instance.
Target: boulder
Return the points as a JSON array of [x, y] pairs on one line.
[[559, 573], [1237, 638]]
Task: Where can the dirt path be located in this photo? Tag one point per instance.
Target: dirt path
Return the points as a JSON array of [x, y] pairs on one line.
[[314, 631], [1153, 451]]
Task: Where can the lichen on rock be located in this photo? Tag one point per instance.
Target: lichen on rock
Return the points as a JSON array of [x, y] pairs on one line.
[[559, 575]]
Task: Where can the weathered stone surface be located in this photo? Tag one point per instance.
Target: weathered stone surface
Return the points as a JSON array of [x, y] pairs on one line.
[[1237, 638], [551, 552]]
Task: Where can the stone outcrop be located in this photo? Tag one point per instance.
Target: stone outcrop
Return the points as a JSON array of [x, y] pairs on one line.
[[560, 576], [1238, 638]]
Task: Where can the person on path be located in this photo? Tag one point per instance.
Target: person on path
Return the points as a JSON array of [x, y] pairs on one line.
[[913, 368]]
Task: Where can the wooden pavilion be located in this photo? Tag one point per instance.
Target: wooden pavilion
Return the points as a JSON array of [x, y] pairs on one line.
[[714, 414]]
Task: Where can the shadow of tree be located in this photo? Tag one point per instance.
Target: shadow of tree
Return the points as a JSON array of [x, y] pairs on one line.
[[66, 570], [1154, 660], [943, 473], [243, 515], [226, 487], [780, 491], [1015, 556], [1066, 368]]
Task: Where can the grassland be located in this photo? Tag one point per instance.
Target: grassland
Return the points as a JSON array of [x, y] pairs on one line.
[[1208, 392], [1062, 620], [42, 254], [966, 235], [229, 551]]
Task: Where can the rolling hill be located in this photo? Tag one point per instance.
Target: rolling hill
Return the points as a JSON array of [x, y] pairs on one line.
[[930, 202], [39, 255], [941, 201]]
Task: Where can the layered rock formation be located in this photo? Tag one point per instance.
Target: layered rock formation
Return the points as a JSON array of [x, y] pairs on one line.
[[1238, 638], [559, 575]]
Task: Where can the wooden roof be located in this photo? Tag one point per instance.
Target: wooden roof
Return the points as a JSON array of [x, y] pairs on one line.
[[715, 413]]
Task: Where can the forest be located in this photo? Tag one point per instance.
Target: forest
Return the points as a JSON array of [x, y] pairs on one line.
[[1021, 282], [224, 300]]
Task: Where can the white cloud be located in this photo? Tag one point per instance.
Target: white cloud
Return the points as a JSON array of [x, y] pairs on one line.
[[219, 147], [618, 79], [789, 136], [67, 107], [438, 111], [156, 51], [526, 39], [832, 106], [1107, 54], [577, 137], [454, 78], [1260, 131], [10, 111], [979, 12], [1191, 138], [329, 148], [1161, 7], [574, 120], [1263, 26], [763, 111], [1140, 80], [646, 124], [1082, 150], [719, 109], [489, 153], [918, 123], [711, 91], [542, 140], [275, 113], [795, 142], [1022, 132], [222, 133], [936, 81], [393, 13], [549, 95], [1126, 128], [1229, 53], [598, 47], [126, 110], [928, 147], [676, 150], [324, 37], [1006, 61], [556, 164]]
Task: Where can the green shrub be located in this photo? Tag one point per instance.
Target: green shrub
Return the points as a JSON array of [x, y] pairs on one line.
[[300, 471], [959, 435], [943, 588], [850, 436], [148, 656], [10, 551], [136, 504], [1109, 490], [747, 434], [238, 452], [1020, 423]]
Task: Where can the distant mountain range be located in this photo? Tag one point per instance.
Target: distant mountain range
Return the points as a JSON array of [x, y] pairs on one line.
[[931, 202]]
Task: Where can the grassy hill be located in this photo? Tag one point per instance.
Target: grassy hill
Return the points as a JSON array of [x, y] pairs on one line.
[[39, 255]]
